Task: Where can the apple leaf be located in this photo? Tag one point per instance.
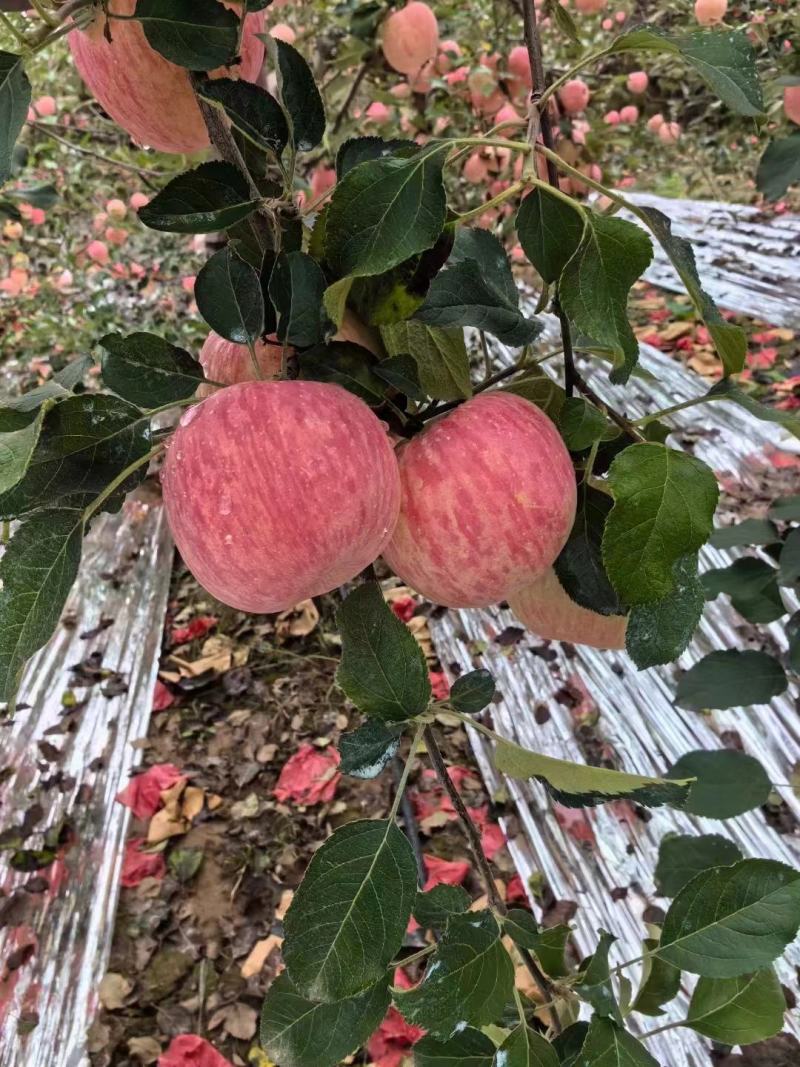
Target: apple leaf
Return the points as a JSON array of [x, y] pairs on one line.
[[579, 566], [664, 503], [728, 920], [297, 1032], [440, 355], [15, 99], [470, 693], [525, 1048], [211, 197], [254, 112], [469, 979], [746, 532], [148, 371], [724, 59], [368, 750], [344, 363], [752, 585], [658, 632], [681, 857], [348, 917], [608, 1045], [300, 96], [729, 339], [17, 448], [779, 166], [595, 986], [467, 1048], [578, 785], [37, 572], [731, 679], [594, 286], [549, 231], [729, 390], [362, 149], [729, 782], [196, 34], [296, 289], [229, 297], [738, 1011], [660, 983], [434, 907], [384, 211]]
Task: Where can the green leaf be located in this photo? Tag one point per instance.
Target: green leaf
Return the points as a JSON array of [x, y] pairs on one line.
[[786, 509], [660, 983], [334, 300], [468, 1048], [729, 390], [525, 1048], [746, 532], [470, 693], [728, 783], [297, 1032], [197, 34], [15, 99], [522, 927], [211, 197], [184, 863], [580, 566], [664, 503], [729, 340], [681, 857], [147, 370], [595, 283], [368, 750], [85, 443], [581, 424], [793, 635], [541, 390], [659, 632], [470, 979], [779, 166], [789, 563], [569, 1042], [384, 211], [433, 908], [441, 357], [550, 948], [608, 1045], [27, 860], [383, 670], [577, 785], [401, 372], [731, 679], [549, 231], [477, 289], [728, 920], [595, 986], [37, 572], [17, 448], [19, 411], [724, 59], [296, 289], [738, 1011], [300, 96], [350, 913], [752, 585], [363, 149], [254, 112], [344, 363], [229, 297]]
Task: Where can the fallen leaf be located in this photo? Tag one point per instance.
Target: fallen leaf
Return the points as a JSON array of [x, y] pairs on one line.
[[299, 621], [138, 864], [113, 991], [143, 793], [144, 1050], [259, 955], [248, 808], [310, 776], [241, 1021], [189, 1050]]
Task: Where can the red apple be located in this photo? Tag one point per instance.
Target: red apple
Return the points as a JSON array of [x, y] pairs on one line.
[[488, 502], [228, 363], [544, 607], [279, 491], [145, 94], [410, 37]]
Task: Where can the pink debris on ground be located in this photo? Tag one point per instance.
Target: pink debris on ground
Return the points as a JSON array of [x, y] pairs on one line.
[[143, 793], [311, 776]]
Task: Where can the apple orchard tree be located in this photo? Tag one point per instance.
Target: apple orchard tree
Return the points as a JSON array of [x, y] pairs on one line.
[[333, 417]]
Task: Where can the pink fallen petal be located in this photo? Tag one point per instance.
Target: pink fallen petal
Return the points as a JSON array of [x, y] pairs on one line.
[[189, 1050], [143, 793], [445, 872], [162, 697], [138, 865], [310, 776]]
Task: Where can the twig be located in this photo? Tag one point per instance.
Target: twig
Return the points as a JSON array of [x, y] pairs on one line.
[[143, 172], [543, 983], [263, 222], [362, 73], [410, 824], [438, 409], [623, 423]]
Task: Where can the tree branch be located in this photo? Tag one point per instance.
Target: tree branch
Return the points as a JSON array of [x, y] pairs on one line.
[[362, 73], [543, 983]]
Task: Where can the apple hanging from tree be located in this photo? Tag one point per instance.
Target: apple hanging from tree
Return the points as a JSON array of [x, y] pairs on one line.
[[545, 608], [488, 502], [279, 491], [145, 94]]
